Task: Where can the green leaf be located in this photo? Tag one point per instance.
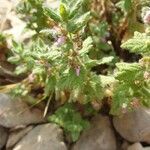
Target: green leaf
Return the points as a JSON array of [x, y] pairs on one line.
[[50, 13], [49, 85], [21, 69], [105, 60], [63, 12], [107, 80], [87, 45], [75, 8], [128, 66], [128, 5], [91, 63], [38, 70], [14, 59], [75, 25], [128, 72], [140, 44], [71, 120], [17, 47]]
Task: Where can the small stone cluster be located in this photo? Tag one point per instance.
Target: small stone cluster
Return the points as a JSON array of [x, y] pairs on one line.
[[27, 130]]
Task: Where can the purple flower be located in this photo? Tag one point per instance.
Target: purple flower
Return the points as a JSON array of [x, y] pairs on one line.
[[146, 18], [60, 41], [31, 78], [78, 71]]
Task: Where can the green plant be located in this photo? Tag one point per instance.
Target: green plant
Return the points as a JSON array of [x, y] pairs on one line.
[[76, 56], [133, 87], [71, 120], [30, 11], [61, 62]]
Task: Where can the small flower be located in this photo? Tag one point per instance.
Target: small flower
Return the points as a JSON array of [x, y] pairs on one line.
[[31, 78], [146, 17], [60, 41], [77, 70]]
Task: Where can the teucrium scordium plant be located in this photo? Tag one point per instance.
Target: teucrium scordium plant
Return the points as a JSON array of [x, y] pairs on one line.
[[64, 59]]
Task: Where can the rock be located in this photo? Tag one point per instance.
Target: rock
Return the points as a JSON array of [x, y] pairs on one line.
[[43, 137], [3, 137], [136, 146], [16, 136], [134, 126], [5, 8], [54, 4], [14, 112], [124, 145], [10, 22], [100, 136]]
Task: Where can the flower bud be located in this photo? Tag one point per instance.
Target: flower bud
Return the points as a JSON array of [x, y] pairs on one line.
[[60, 41], [146, 15], [31, 78], [146, 18]]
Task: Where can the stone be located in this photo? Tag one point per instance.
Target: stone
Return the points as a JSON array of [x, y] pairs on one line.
[[125, 145], [43, 137], [134, 126], [136, 146], [3, 137], [15, 112], [54, 4], [5, 8], [16, 136], [100, 136]]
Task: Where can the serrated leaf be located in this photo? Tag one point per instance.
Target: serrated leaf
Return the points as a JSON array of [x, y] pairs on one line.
[[52, 14], [75, 25], [68, 118], [63, 12], [38, 70], [105, 60], [107, 80], [129, 72], [93, 62], [75, 8], [87, 45], [140, 44], [128, 66]]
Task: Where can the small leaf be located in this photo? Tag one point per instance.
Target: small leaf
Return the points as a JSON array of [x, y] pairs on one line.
[[49, 85], [50, 13], [71, 120], [75, 8], [127, 5], [17, 47], [63, 12], [14, 59], [75, 25], [140, 44], [87, 45], [21, 69], [105, 60]]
